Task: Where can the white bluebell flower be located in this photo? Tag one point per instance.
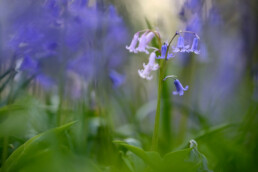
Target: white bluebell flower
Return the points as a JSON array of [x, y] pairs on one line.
[[181, 47], [194, 47], [151, 66], [144, 40], [179, 88], [164, 51], [132, 47]]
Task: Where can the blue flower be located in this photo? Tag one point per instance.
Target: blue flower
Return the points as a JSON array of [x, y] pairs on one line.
[[29, 65], [181, 45], [116, 78], [194, 47], [179, 88], [164, 51]]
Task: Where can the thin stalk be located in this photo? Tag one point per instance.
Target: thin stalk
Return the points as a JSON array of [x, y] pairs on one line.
[[166, 117], [157, 116]]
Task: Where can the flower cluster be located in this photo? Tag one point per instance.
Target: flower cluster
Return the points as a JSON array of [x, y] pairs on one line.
[[181, 47], [144, 40], [141, 41], [56, 38]]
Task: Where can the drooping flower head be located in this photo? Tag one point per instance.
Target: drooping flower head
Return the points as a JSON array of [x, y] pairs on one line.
[[151, 66], [179, 88], [194, 47], [132, 47], [144, 40]]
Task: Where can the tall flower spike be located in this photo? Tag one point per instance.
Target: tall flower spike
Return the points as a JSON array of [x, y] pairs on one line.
[[181, 45], [194, 47], [151, 66], [179, 88], [144, 40], [133, 44], [164, 51]]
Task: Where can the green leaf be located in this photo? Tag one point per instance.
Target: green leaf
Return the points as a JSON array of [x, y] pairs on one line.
[[133, 162], [38, 146], [151, 158], [212, 131], [179, 161], [148, 23], [10, 108]]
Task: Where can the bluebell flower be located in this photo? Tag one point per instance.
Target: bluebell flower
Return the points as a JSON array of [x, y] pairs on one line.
[[132, 47], [179, 88], [164, 51], [144, 40], [181, 45], [151, 66], [194, 47]]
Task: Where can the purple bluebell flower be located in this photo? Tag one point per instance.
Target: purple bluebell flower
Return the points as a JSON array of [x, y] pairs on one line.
[[164, 51], [181, 45], [151, 66], [194, 47], [179, 88]]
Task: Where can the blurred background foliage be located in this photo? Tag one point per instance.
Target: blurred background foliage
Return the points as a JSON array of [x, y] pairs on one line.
[[71, 98]]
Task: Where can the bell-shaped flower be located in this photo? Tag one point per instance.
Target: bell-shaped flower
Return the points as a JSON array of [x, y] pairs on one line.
[[144, 40], [194, 47], [164, 51], [132, 47], [151, 66], [181, 45], [179, 88]]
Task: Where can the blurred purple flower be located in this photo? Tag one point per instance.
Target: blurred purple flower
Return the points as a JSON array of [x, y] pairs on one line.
[[116, 78], [59, 36], [29, 65]]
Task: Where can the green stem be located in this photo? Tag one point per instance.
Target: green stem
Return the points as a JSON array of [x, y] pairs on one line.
[[157, 116], [166, 117]]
